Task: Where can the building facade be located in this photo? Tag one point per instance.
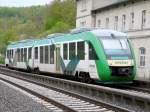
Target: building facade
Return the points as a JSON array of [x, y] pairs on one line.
[[129, 16]]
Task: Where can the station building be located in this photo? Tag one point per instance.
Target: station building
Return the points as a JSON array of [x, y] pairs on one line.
[[129, 16]]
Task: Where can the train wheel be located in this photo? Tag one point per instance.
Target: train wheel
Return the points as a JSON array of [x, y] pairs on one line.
[[6, 65]]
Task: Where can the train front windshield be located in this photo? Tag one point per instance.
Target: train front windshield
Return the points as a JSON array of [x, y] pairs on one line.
[[116, 48]]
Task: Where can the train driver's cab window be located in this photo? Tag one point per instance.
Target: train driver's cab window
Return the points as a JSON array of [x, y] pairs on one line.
[[81, 50], [72, 51], [92, 53], [65, 51], [142, 53], [52, 48]]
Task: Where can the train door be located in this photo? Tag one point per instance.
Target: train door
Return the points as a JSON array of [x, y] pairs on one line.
[[57, 57]]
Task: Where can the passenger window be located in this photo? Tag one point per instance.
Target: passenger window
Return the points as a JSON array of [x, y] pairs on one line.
[[25, 54], [18, 52], [19, 55], [71, 51], [36, 52], [52, 48], [81, 50], [7, 53], [92, 53], [10, 54], [46, 55], [41, 54], [65, 51], [29, 53], [22, 55]]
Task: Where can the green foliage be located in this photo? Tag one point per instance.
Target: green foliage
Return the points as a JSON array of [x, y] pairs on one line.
[[61, 11], [37, 21]]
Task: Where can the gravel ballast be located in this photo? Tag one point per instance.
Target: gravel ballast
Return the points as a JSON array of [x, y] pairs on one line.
[[12, 100]]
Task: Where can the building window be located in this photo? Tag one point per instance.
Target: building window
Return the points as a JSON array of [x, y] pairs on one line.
[[116, 23], [81, 50], [92, 53], [99, 23], [132, 20], [46, 53], [29, 53], [36, 53], [82, 24], [72, 52], [84, 4], [41, 54], [65, 51], [123, 22], [52, 48], [142, 53], [143, 18], [107, 22]]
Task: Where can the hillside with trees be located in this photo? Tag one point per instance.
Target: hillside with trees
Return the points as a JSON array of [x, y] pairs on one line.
[[35, 22]]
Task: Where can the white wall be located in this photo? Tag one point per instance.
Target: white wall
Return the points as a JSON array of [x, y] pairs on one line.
[[103, 3], [84, 13], [136, 8]]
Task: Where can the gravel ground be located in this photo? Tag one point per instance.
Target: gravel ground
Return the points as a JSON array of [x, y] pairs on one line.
[[12, 100]]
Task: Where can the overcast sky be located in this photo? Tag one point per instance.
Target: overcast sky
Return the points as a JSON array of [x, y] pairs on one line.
[[23, 3]]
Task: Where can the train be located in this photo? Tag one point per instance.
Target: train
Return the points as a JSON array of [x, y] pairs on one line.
[[85, 53]]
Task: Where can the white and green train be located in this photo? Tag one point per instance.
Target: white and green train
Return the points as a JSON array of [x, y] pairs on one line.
[[101, 54]]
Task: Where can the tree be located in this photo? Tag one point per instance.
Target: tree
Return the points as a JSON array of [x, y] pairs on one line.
[[35, 21]]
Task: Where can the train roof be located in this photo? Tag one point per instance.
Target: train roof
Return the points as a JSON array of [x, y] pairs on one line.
[[108, 33], [22, 43], [76, 34]]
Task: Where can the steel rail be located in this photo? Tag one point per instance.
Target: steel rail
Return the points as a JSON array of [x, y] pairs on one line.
[[114, 98], [57, 104]]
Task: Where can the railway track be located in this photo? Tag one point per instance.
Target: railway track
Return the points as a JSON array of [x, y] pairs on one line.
[[110, 98], [134, 88], [66, 102]]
